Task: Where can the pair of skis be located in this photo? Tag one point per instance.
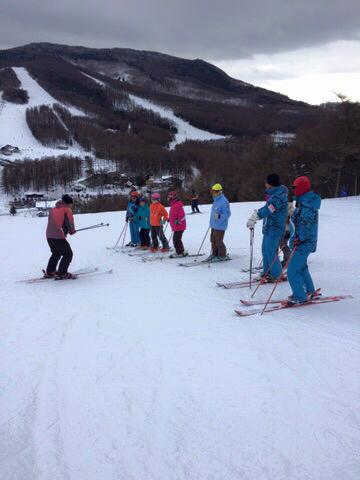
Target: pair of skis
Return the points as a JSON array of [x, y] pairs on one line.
[[169, 257], [276, 305], [196, 263], [85, 272], [244, 283]]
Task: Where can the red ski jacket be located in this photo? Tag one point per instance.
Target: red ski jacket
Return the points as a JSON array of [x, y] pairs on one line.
[[177, 216], [60, 222]]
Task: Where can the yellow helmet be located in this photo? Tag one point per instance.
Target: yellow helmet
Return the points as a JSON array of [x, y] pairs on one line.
[[217, 187]]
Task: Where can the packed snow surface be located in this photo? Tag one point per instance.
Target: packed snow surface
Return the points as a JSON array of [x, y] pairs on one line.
[[14, 129], [185, 130], [147, 374]]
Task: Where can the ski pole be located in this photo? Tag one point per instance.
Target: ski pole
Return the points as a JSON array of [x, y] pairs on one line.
[[99, 225], [251, 253], [263, 278], [125, 231], [278, 280], [121, 234], [202, 243]]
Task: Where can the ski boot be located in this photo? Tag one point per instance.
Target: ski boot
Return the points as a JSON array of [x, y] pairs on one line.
[[165, 250], [49, 274], [65, 276], [154, 250]]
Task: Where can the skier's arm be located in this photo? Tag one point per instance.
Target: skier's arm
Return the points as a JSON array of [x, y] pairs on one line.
[[69, 224]]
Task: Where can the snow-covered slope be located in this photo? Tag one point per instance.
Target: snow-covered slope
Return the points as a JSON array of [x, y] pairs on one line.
[[13, 126], [185, 130], [148, 375]]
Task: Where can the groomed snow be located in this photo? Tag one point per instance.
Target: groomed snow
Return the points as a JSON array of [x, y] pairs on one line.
[[185, 130], [14, 129], [146, 374]]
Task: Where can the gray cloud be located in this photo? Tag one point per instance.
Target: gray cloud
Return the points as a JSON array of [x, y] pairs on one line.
[[228, 29]]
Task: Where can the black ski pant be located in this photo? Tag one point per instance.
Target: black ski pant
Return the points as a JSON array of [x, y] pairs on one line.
[[60, 249], [178, 244], [217, 243], [158, 232], [195, 206], [145, 237]]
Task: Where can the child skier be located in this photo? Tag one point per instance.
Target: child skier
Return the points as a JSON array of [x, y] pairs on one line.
[[60, 223], [304, 240], [143, 218], [177, 219], [219, 218], [274, 214], [131, 211], [158, 218]]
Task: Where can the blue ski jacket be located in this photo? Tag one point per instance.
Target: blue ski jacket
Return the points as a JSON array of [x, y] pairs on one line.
[[142, 216], [132, 208], [306, 220], [220, 213], [274, 213]]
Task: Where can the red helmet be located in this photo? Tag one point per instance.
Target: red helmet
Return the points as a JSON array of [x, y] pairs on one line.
[[134, 194], [172, 195], [301, 185]]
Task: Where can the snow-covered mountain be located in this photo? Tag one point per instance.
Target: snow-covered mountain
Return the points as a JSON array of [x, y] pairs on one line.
[[148, 374]]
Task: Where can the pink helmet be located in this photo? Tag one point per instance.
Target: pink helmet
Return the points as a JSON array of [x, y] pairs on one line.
[[155, 196]]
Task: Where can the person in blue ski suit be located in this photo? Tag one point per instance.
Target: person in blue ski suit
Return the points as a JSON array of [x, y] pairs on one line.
[[274, 214], [143, 218], [304, 240], [219, 219], [131, 212]]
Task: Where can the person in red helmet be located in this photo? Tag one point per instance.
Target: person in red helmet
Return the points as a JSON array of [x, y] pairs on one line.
[[177, 219], [60, 223], [303, 241]]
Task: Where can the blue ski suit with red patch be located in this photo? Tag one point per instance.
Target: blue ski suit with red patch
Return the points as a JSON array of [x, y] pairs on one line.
[[274, 214]]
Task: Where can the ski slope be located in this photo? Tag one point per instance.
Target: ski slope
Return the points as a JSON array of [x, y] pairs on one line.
[[186, 131], [146, 374], [14, 129]]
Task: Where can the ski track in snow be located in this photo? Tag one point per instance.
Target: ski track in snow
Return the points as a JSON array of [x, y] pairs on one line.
[[146, 374], [185, 130], [14, 129]]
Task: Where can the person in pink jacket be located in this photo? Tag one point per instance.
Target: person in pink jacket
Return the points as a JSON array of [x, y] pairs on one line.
[[177, 219]]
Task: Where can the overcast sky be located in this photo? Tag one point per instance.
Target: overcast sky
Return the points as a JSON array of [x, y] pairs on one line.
[[304, 48]]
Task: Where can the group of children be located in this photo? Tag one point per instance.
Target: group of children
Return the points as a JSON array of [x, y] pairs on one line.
[[147, 221], [281, 224]]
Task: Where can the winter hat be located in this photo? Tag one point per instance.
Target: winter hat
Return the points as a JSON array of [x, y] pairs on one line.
[[67, 199], [273, 179], [172, 195], [217, 187], [155, 196], [301, 185], [142, 200]]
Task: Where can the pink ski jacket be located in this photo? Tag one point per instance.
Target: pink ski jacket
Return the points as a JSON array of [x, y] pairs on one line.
[[177, 216], [60, 222]]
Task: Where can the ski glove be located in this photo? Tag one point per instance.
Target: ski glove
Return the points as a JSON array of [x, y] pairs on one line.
[[253, 219], [177, 222], [163, 222]]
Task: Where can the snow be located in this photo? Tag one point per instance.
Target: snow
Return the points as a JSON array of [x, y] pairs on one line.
[[13, 126], [96, 80], [186, 132], [146, 374]]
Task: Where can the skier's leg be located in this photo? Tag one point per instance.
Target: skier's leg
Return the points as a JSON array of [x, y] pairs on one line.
[[137, 233], [214, 250], [142, 237], [55, 256], [146, 237], [272, 245], [308, 281], [295, 275], [264, 252], [67, 256], [132, 232], [178, 245], [219, 240], [162, 237], [193, 208], [197, 206], [154, 237]]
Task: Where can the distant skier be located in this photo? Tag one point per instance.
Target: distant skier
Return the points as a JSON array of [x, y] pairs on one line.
[[177, 219], [131, 211], [158, 218], [194, 197], [143, 218], [60, 223], [219, 218], [304, 240], [274, 214], [12, 210]]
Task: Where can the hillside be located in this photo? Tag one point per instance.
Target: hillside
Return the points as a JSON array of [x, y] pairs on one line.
[[147, 374]]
